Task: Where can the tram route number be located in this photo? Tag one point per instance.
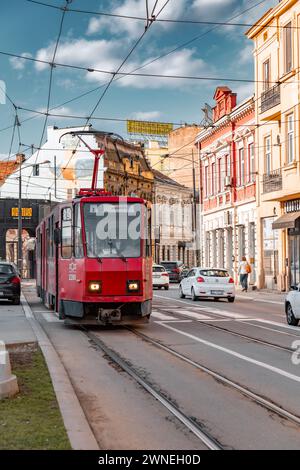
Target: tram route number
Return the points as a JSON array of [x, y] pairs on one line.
[[150, 459]]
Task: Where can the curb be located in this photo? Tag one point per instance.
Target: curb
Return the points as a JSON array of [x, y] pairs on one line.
[[78, 429]]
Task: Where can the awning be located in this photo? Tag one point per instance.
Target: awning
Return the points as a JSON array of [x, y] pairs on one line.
[[286, 221]]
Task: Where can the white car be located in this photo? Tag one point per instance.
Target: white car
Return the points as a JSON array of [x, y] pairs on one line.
[[208, 282], [160, 277], [292, 306]]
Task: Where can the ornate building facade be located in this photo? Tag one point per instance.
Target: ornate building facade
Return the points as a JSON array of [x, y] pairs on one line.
[[227, 184], [172, 221]]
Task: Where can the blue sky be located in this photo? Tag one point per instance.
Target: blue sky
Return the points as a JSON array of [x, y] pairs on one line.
[[93, 41]]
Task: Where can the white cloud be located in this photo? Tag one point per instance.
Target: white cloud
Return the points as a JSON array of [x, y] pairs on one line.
[[246, 54], [146, 115], [17, 63], [182, 62], [61, 111], [134, 28], [211, 3], [244, 90], [107, 55], [100, 54]]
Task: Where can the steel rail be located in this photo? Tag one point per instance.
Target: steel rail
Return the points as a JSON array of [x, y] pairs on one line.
[[208, 440], [271, 406]]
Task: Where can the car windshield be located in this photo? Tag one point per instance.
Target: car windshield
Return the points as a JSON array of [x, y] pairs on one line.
[[158, 269], [5, 269], [214, 273], [169, 265], [113, 230]]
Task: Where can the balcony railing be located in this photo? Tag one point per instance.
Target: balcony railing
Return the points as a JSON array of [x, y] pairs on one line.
[[272, 181], [270, 98]]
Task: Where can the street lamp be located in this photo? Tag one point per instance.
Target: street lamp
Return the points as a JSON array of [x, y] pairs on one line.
[[20, 251]]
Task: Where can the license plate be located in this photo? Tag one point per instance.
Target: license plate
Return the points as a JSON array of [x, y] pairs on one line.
[[217, 292], [156, 276]]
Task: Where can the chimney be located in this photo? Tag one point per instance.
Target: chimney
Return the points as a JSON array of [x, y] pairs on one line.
[[20, 158]]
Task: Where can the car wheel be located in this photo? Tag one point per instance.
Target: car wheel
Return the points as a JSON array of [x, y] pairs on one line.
[[194, 296], [181, 294], [290, 317], [166, 287], [231, 299], [16, 301]]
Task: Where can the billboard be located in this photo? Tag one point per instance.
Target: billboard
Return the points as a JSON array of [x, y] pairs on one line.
[[149, 128]]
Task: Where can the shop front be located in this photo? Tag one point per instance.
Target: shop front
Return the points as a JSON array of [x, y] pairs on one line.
[[290, 223]]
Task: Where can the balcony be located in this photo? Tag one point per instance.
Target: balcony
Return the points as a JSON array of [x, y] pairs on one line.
[[270, 98], [272, 181]]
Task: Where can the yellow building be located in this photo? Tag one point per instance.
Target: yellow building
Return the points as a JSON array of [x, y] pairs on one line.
[[276, 39], [156, 154]]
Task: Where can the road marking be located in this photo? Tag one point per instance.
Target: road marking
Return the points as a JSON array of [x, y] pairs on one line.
[[195, 315], [161, 316], [225, 313], [282, 325], [264, 365]]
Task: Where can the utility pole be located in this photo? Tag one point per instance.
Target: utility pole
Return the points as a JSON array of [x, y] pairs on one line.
[[20, 243], [196, 236]]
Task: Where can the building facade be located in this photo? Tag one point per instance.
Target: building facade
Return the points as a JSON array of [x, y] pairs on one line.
[[182, 156], [227, 184], [172, 221], [277, 114], [63, 165]]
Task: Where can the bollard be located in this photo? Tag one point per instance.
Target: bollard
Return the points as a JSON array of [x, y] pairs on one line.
[[8, 381]]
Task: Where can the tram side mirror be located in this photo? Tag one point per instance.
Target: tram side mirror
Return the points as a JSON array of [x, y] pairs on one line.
[[57, 236]]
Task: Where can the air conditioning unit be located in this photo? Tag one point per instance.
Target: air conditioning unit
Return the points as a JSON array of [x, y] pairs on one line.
[[227, 218], [227, 181]]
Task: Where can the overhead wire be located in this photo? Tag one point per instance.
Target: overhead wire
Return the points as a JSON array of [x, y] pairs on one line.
[[161, 20], [52, 65], [161, 55]]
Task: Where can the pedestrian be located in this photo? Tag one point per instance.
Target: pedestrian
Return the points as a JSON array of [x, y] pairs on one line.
[[244, 271]]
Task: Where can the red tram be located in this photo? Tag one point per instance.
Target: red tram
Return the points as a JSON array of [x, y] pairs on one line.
[[94, 260]]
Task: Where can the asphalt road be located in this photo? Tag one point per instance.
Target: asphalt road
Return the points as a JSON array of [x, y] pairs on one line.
[[247, 343]]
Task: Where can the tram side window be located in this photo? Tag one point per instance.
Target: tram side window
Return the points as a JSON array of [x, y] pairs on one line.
[[148, 234], [66, 233], [50, 241], [78, 246]]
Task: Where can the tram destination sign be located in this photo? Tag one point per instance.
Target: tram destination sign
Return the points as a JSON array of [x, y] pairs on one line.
[[26, 212]]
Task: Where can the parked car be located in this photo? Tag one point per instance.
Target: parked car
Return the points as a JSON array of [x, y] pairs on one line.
[[160, 277], [10, 282], [208, 282], [174, 269], [292, 306], [184, 272]]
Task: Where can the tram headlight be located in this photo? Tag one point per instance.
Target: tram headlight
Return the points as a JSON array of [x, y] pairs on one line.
[[133, 286], [94, 286]]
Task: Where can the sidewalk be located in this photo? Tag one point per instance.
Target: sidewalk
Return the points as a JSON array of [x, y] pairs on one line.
[[263, 295], [15, 329]]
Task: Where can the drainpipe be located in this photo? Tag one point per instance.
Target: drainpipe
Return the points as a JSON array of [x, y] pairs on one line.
[[233, 201]]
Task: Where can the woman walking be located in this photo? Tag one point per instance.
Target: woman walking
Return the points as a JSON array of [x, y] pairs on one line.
[[244, 271]]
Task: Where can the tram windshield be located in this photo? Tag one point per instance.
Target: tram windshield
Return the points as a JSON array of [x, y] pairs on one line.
[[113, 230]]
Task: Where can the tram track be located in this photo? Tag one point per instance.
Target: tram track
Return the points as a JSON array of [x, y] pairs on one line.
[[260, 400], [226, 330], [194, 427]]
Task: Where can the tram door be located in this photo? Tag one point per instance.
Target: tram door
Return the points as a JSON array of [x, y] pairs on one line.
[[56, 270]]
